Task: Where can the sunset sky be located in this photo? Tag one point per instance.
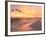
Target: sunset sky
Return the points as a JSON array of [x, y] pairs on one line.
[[26, 11]]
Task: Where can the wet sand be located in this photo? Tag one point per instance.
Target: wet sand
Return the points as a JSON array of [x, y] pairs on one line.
[[25, 24]]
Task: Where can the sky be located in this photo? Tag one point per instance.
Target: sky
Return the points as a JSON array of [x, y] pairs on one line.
[[26, 11]]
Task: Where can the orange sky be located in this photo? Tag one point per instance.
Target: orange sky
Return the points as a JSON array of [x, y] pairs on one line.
[[27, 11]]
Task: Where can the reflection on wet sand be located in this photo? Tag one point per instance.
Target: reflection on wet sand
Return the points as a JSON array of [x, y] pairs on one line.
[[25, 24]]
